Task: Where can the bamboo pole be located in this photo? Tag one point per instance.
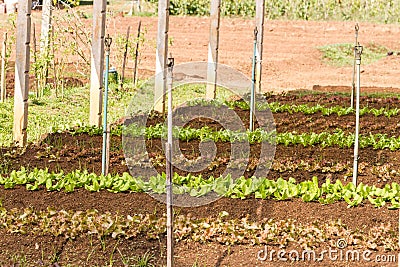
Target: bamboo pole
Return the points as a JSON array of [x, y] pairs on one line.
[[135, 70], [35, 58], [121, 85], [22, 64]]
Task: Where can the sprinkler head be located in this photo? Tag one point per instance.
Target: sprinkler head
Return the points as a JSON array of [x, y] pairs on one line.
[[107, 42], [358, 51]]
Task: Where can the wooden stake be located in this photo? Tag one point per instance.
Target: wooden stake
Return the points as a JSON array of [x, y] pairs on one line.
[[35, 59], [213, 43], [3, 93], [121, 85], [22, 72], [130, 13], [260, 13], [45, 39], [161, 55], [135, 70], [46, 25], [97, 61]]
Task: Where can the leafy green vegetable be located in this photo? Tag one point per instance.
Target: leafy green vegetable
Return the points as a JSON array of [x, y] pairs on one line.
[[198, 186]]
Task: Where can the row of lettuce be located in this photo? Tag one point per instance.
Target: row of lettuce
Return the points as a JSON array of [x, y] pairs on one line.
[[277, 107], [74, 224], [338, 138], [197, 186]]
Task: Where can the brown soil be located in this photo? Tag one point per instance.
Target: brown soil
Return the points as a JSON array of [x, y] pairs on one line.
[[68, 81], [334, 98], [290, 56], [65, 152]]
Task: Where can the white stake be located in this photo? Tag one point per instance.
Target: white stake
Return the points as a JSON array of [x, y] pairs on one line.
[[260, 14], [213, 44], [358, 51], [97, 61], [169, 172], [161, 55]]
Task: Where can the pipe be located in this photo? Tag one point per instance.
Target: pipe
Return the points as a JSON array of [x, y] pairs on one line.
[[253, 82], [107, 42], [169, 171], [358, 51]]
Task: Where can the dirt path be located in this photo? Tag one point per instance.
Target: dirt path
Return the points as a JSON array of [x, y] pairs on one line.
[[291, 59]]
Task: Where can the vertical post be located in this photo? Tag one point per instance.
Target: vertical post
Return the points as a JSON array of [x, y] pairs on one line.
[[45, 39], [136, 53], [161, 55], [46, 25], [22, 72], [260, 13], [3, 69], [130, 13], [107, 43], [353, 86], [213, 43], [253, 83], [358, 51], [169, 171], [97, 61], [35, 56], [121, 85]]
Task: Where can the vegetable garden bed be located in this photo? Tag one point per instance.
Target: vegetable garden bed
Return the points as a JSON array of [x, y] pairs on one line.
[[84, 219]]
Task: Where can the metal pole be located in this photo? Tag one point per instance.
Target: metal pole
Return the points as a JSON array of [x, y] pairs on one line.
[[253, 83], [353, 87], [3, 69], [169, 172], [107, 43], [121, 85], [136, 53], [358, 51], [108, 141]]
